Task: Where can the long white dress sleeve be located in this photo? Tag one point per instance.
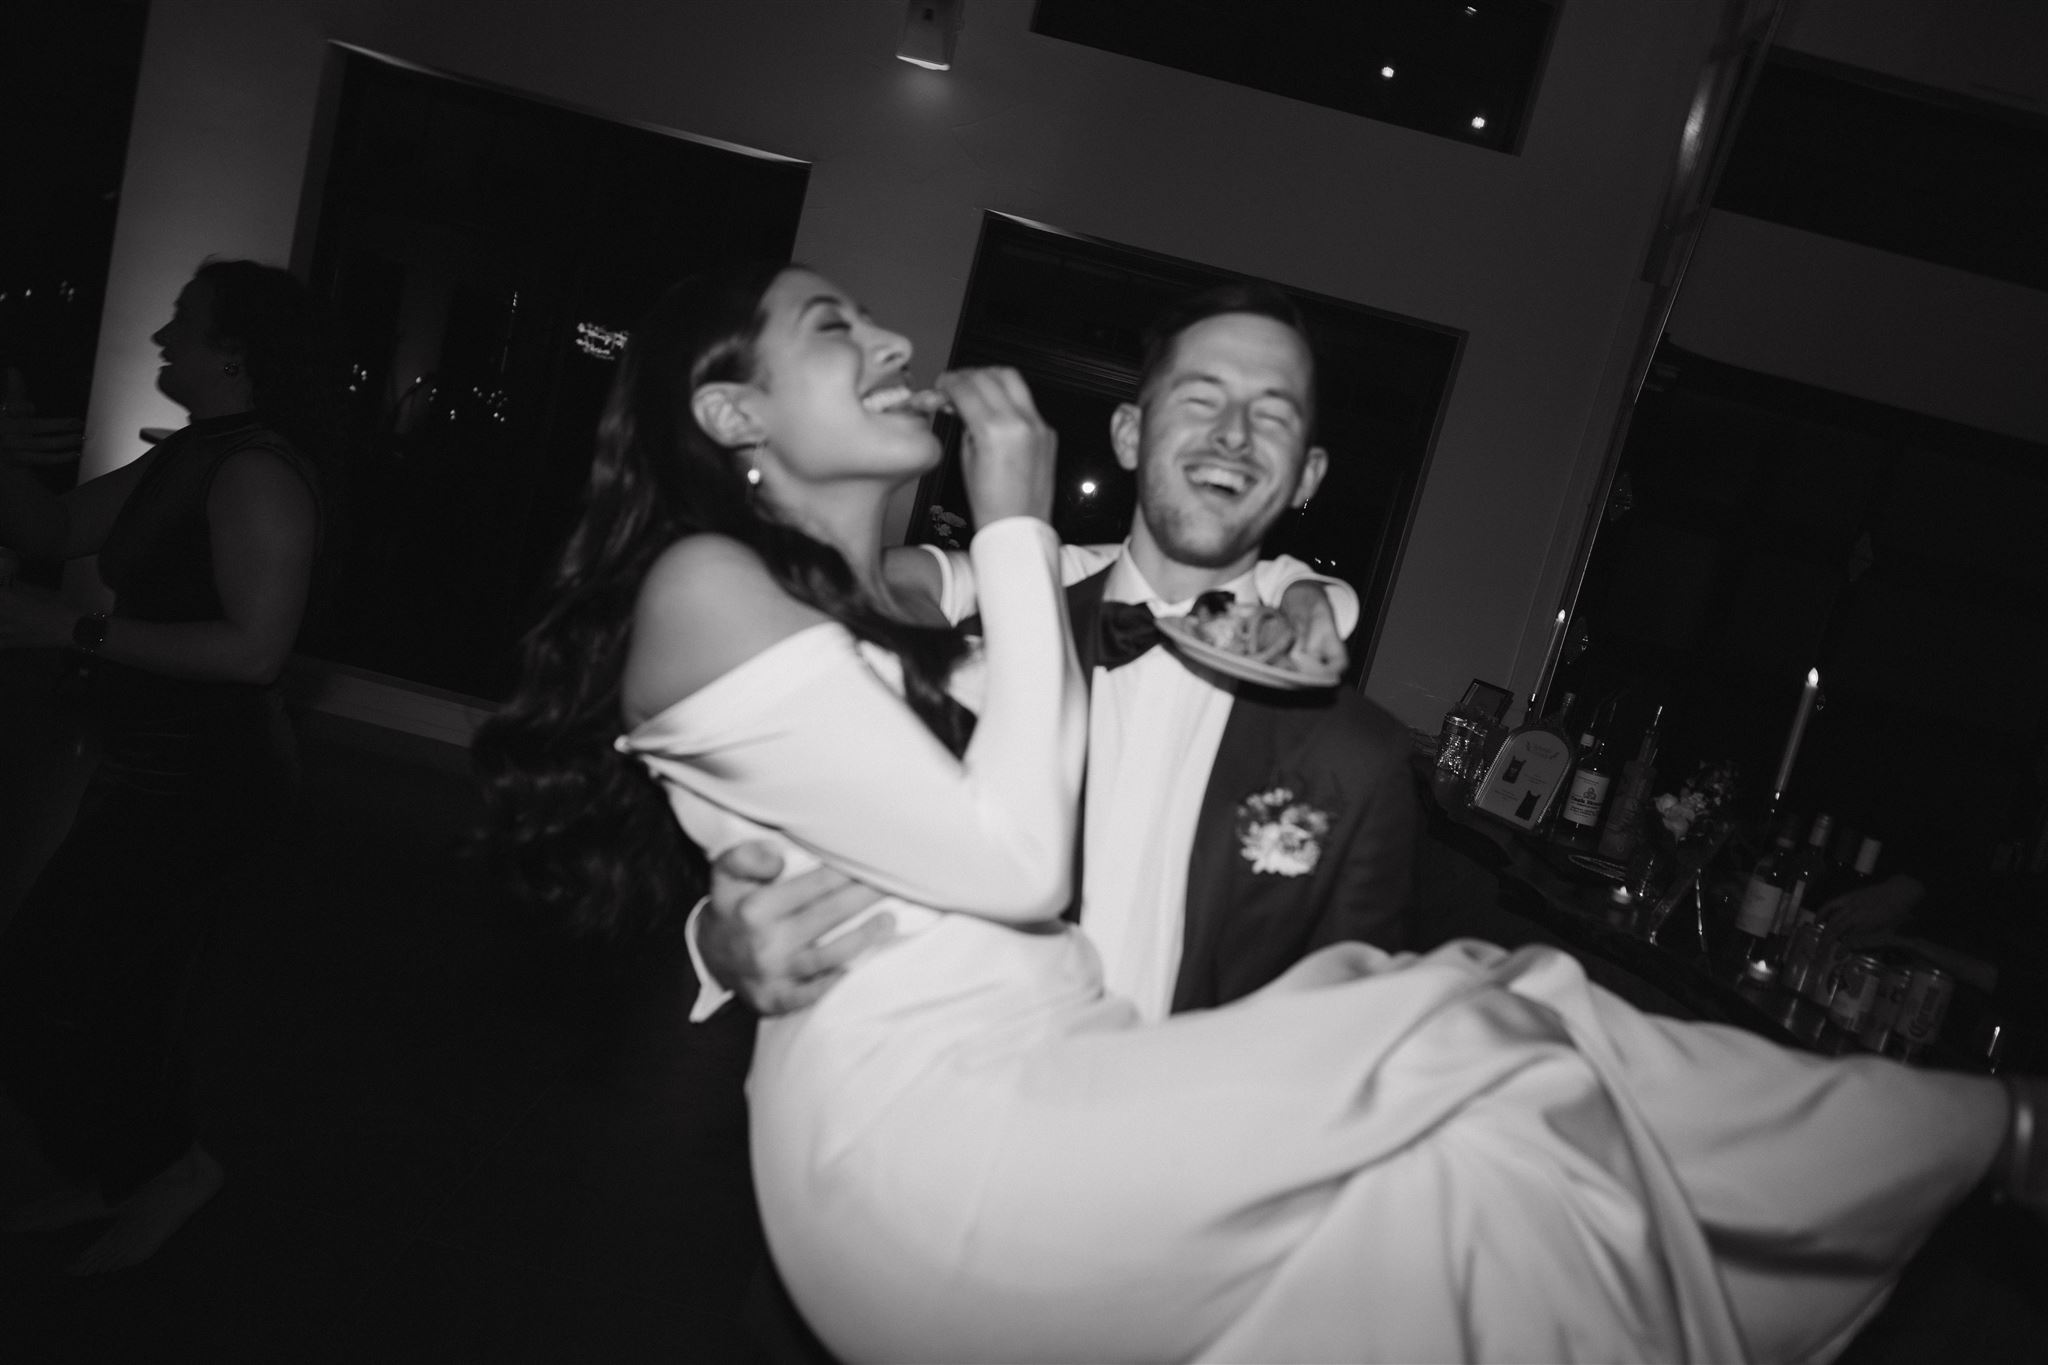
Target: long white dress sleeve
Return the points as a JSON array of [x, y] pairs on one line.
[[990, 833]]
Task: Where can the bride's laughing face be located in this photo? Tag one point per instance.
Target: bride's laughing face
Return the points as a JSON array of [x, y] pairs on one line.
[[831, 392]]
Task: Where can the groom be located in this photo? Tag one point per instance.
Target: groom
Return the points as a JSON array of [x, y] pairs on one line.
[[1227, 830]]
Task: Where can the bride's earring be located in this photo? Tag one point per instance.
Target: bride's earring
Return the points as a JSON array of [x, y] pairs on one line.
[[754, 476]]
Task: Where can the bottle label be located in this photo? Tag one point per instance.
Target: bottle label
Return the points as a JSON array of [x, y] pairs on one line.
[[1588, 798], [1759, 911]]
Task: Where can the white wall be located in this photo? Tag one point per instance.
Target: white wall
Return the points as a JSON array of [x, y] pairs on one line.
[[1860, 321], [1986, 49], [1533, 255], [1891, 329]]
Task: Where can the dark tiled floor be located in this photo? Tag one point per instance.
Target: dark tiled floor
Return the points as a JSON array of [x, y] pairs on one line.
[[446, 1137], [451, 1139]]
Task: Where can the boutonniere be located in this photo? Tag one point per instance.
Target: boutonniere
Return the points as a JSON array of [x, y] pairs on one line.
[[1278, 833]]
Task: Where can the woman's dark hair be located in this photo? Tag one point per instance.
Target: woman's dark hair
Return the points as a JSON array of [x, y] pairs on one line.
[[286, 348], [579, 828]]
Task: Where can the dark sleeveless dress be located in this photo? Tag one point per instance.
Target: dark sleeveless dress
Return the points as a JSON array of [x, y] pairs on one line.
[[97, 962]]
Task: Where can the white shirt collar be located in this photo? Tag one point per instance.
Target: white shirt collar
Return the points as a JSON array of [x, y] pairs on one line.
[[1127, 583]]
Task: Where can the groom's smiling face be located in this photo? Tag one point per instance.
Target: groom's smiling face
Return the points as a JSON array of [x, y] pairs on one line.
[[1219, 440]]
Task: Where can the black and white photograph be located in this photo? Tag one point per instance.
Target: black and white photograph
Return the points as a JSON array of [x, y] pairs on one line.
[[820, 681]]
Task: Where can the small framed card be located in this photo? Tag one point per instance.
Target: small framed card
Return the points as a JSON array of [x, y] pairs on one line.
[[1484, 701], [1525, 778]]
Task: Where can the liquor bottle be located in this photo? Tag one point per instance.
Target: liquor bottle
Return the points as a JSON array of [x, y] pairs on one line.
[[1842, 851], [1586, 801], [1797, 935], [1629, 798], [1761, 898], [1809, 878], [1820, 971], [1529, 773], [1541, 736]]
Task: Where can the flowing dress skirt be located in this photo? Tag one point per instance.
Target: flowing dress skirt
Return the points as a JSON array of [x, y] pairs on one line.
[[1473, 1155]]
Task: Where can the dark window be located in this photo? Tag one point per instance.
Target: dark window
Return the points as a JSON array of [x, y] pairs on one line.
[[1461, 70], [1070, 315], [1906, 169], [67, 92], [1764, 527], [486, 256]]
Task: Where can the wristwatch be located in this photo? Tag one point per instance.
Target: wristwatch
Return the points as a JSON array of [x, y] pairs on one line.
[[89, 632]]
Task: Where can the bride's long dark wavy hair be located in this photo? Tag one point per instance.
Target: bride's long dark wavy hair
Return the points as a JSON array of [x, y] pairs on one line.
[[580, 829]]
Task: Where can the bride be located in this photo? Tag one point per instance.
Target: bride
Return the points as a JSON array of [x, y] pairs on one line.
[[965, 1150]]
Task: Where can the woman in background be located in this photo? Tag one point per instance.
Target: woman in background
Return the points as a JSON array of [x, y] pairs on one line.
[[208, 543]]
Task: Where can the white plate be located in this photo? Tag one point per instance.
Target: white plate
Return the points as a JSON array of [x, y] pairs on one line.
[[1184, 638]]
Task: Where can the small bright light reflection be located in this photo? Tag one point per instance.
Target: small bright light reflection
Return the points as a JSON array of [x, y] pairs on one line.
[[1471, 9], [1387, 73], [929, 66], [1087, 488], [1479, 120]]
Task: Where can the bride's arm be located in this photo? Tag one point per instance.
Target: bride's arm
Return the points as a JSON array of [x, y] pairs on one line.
[[802, 737]]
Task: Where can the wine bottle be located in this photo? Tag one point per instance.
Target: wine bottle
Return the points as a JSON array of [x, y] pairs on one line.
[[1809, 878], [1761, 899], [1841, 860], [1627, 801], [1798, 932], [1586, 801]]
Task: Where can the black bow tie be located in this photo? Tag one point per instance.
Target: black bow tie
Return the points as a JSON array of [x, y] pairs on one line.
[[1124, 631]]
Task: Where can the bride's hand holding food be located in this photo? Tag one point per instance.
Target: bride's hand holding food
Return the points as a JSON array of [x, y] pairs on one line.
[[1007, 459]]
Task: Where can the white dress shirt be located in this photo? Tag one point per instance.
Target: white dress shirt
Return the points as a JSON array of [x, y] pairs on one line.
[[1153, 728]]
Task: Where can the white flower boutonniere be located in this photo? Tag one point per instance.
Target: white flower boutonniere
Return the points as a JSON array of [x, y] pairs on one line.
[[1280, 834]]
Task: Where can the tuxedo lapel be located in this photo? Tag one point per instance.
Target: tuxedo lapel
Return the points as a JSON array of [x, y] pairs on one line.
[[1245, 926], [1084, 610], [1244, 760]]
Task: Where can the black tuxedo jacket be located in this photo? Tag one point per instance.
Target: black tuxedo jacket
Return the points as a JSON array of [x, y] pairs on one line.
[[1345, 756]]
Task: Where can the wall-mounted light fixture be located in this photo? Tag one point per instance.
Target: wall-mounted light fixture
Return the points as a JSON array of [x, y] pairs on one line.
[[929, 28]]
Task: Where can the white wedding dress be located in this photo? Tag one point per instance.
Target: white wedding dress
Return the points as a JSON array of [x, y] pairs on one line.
[[965, 1151]]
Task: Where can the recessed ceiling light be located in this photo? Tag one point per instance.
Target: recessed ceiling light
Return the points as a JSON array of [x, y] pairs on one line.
[[1479, 120], [1387, 73]]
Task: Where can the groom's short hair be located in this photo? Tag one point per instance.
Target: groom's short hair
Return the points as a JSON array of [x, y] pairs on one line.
[[1238, 296]]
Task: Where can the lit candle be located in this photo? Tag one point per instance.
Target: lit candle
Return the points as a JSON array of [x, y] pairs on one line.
[[1806, 700]]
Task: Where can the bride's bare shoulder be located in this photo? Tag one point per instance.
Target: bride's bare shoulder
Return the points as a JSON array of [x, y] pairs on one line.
[[707, 606]]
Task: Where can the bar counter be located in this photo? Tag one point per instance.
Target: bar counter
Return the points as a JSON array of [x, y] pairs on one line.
[[1478, 878]]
